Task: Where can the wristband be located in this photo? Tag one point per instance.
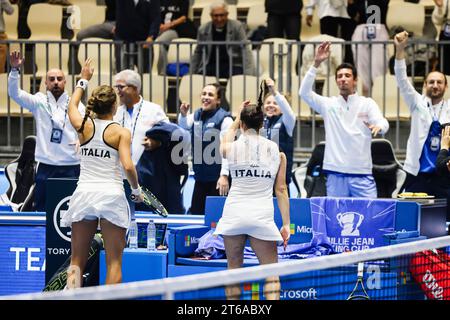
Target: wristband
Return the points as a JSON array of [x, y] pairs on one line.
[[82, 83], [136, 191]]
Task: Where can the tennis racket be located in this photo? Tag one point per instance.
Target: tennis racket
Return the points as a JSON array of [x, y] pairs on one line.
[[153, 203], [359, 292]]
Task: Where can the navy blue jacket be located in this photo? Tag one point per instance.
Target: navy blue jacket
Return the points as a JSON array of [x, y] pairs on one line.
[[204, 123], [157, 171]]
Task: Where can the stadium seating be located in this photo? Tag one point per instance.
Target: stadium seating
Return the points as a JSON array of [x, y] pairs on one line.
[[269, 56], [44, 21], [256, 16], [154, 88], [11, 22], [190, 88], [241, 88], [411, 16]]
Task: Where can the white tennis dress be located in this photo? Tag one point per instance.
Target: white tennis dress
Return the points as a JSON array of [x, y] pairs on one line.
[[253, 162], [99, 192]]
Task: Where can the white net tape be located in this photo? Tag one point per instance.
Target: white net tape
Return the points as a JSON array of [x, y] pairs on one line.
[[169, 286]]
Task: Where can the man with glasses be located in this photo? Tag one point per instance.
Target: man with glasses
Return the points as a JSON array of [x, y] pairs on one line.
[[56, 140], [136, 114], [215, 60]]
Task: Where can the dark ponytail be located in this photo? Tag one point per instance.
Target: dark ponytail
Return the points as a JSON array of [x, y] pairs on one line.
[[252, 115]]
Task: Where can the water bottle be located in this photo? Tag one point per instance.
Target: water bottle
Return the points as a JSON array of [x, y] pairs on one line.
[[151, 236], [133, 235]]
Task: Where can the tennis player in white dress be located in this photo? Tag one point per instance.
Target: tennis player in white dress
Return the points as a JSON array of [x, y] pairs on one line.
[[256, 166], [99, 195]]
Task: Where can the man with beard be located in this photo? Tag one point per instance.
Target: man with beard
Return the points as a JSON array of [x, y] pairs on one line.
[[56, 140], [428, 112], [350, 121]]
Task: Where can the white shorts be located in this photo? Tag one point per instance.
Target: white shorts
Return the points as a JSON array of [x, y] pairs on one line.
[[111, 205]]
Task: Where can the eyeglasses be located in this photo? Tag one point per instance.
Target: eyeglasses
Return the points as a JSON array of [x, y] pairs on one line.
[[219, 15], [120, 87]]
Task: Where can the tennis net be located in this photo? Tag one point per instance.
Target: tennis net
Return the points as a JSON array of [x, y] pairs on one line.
[[409, 271]]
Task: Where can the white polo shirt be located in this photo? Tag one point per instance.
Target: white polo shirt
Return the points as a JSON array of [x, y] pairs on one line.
[[144, 116], [348, 139], [48, 114]]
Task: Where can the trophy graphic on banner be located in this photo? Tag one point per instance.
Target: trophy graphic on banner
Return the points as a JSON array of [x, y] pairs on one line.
[[350, 222]]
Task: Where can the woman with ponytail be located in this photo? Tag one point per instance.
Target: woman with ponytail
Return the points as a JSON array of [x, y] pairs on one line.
[[99, 197], [256, 166], [279, 122]]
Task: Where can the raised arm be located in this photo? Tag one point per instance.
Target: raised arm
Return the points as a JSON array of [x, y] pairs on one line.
[[75, 117], [409, 94], [288, 116], [228, 138], [20, 96], [315, 101], [283, 199]]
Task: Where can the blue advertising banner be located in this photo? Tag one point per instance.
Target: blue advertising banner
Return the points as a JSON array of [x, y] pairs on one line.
[[22, 259], [353, 224]]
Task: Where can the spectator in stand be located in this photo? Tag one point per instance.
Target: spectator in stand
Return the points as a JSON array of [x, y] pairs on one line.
[[334, 21], [5, 6], [136, 21], [373, 28], [219, 58], [174, 24], [103, 30], [284, 19]]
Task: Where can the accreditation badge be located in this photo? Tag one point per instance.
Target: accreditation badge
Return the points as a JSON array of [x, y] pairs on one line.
[[56, 136], [434, 143]]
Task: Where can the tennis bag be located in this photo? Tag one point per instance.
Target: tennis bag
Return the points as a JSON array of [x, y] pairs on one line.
[[90, 276], [431, 270]]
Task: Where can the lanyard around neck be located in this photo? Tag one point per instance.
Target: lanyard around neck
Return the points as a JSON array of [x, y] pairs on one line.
[[135, 121], [434, 116], [51, 112]]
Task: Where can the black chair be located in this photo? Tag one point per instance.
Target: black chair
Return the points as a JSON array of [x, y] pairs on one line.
[[309, 178], [21, 177], [387, 170]]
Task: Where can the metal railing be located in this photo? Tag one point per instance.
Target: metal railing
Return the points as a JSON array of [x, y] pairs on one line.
[[276, 58]]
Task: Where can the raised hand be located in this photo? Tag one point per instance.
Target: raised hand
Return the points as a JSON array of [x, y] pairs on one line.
[[15, 59], [439, 3], [87, 71], [322, 53], [184, 108]]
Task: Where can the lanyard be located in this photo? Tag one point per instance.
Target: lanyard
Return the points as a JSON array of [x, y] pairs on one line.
[[434, 116], [51, 113], [135, 121]]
